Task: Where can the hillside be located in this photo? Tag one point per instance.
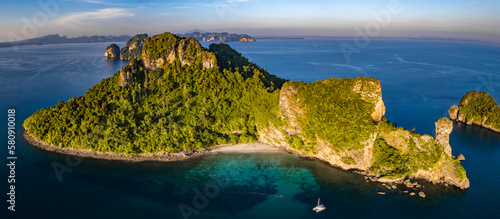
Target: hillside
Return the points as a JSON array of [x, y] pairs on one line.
[[178, 96]]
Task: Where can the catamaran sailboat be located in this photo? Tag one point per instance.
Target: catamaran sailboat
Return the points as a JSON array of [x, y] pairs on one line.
[[319, 207]]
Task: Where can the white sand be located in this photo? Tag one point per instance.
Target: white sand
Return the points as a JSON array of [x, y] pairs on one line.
[[247, 148]]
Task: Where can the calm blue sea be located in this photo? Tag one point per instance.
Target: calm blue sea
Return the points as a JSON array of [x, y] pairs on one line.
[[420, 81]]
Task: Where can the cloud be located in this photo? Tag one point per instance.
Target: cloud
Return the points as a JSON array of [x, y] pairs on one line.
[[102, 2], [102, 14]]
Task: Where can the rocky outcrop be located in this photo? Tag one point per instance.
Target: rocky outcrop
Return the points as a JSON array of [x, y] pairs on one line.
[[453, 111], [371, 91], [126, 77], [112, 52], [478, 108], [444, 127], [461, 157], [126, 73], [293, 111], [295, 114], [133, 48], [447, 170], [167, 47]]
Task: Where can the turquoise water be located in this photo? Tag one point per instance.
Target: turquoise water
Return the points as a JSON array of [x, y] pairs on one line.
[[420, 81]]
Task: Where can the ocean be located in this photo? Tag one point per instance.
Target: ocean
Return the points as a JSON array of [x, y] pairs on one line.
[[420, 81]]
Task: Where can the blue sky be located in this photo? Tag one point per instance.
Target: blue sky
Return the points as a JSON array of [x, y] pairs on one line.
[[447, 18]]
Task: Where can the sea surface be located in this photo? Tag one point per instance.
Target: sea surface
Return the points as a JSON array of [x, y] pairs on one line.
[[420, 81]]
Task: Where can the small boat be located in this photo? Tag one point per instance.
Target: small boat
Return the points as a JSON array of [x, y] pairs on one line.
[[319, 207]]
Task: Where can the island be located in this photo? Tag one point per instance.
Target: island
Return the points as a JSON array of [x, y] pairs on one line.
[[478, 108], [219, 37], [179, 98], [57, 39], [112, 52]]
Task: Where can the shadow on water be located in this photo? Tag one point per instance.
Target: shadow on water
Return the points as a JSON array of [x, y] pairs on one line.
[[479, 137]]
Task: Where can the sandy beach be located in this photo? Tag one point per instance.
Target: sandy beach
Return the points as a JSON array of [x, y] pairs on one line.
[[159, 156]]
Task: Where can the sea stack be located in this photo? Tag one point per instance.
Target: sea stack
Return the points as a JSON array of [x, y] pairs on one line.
[[444, 127], [112, 52]]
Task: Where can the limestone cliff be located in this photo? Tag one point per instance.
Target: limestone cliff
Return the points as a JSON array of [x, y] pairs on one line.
[[170, 47], [133, 47], [477, 108], [353, 109], [448, 169], [112, 52], [443, 130]]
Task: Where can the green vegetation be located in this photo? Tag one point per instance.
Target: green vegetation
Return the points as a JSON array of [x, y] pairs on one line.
[[333, 112], [228, 58], [388, 161], [173, 108], [348, 160], [396, 162], [459, 169], [476, 106], [295, 142], [133, 48]]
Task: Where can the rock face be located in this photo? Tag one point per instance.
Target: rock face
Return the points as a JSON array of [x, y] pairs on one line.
[[297, 115], [294, 110], [166, 48], [126, 78], [477, 108], [133, 47], [112, 52], [372, 93], [126, 73], [444, 127], [453, 111], [220, 37]]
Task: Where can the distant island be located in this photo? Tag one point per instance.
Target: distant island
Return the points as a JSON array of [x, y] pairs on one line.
[[112, 52], [219, 37], [179, 97], [57, 39], [130, 51], [478, 108]]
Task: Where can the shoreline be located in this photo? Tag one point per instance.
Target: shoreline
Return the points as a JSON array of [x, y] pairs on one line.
[[390, 184], [157, 156]]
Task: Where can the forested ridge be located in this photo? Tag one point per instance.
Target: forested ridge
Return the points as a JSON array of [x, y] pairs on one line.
[[172, 108]]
